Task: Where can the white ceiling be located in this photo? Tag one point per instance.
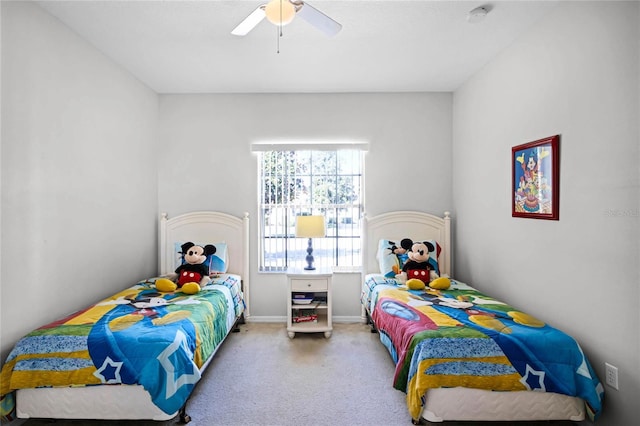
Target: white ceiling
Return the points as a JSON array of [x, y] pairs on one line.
[[179, 46]]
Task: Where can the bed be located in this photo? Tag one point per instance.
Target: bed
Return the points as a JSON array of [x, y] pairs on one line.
[[138, 354], [462, 355]]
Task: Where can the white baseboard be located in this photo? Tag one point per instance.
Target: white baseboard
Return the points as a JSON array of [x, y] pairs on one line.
[[254, 318], [348, 319], [283, 319]]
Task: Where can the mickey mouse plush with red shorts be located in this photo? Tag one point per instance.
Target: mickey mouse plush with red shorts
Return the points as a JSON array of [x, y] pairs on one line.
[[194, 269], [192, 274], [418, 266]]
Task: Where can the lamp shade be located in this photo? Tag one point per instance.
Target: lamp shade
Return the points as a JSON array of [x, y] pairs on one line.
[[310, 226], [280, 12]]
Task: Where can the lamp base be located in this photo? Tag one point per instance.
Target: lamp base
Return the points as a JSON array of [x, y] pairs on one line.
[[309, 258]]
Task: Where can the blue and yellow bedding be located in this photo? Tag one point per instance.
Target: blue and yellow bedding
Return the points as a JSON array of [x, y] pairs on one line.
[[138, 336], [462, 337]]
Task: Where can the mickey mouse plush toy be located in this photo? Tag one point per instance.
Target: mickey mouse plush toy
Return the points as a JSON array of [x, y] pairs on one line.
[[401, 253], [193, 270], [418, 266], [193, 273]]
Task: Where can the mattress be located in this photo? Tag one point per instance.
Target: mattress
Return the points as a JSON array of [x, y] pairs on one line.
[[109, 402], [168, 346], [462, 355], [466, 404]]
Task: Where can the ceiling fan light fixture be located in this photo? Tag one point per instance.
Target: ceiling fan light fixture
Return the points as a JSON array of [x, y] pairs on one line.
[[280, 12]]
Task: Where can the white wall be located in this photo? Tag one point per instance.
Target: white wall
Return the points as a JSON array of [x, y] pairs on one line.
[[79, 183], [575, 74], [79, 154], [206, 161]]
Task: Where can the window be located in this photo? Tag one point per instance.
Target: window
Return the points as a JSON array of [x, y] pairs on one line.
[[298, 182]]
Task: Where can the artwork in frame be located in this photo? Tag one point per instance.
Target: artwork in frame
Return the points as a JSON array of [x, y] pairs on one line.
[[535, 179]]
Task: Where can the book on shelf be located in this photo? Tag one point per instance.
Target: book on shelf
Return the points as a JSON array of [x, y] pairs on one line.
[[305, 318], [305, 315], [302, 298], [319, 298]]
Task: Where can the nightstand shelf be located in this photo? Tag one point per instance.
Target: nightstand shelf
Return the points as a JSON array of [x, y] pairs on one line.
[[313, 317]]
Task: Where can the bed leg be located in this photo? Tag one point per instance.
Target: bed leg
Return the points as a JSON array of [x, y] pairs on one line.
[[236, 325], [184, 417], [371, 324]]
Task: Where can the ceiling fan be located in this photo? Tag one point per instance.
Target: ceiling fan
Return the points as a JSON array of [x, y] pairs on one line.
[[282, 12]]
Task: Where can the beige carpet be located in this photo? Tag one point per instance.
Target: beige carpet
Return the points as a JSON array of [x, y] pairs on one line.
[[261, 377], [307, 380]]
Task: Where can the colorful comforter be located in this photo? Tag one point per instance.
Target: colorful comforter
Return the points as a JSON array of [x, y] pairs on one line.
[[461, 337], [138, 336]]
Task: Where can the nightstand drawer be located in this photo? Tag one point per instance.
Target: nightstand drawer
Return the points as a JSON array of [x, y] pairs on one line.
[[309, 285]]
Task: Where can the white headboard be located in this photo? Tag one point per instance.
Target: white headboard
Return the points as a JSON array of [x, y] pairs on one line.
[[407, 224], [207, 227]]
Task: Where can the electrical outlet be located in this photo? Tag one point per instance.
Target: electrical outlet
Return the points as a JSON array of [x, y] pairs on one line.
[[611, 375]]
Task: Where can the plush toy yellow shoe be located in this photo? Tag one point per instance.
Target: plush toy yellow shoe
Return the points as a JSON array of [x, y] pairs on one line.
[[165, 286], [415, 284], [190, 288], [441, 283]]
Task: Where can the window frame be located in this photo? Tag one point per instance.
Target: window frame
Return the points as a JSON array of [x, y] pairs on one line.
[[346, 250]]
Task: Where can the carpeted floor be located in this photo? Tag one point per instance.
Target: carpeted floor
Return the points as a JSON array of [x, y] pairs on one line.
[[261, 377]]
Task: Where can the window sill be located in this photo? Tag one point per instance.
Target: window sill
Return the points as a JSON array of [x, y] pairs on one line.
[[335, 270]]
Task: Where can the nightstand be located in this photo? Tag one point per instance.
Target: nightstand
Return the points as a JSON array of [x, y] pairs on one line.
[[309, 302]]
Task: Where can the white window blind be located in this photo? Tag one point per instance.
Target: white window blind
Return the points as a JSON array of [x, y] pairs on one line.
[[295, 182]]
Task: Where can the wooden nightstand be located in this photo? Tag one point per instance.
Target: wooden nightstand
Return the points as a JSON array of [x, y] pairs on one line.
[[309, 302]]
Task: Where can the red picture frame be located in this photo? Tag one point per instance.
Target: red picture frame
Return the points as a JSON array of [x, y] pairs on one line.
[[536, 179]]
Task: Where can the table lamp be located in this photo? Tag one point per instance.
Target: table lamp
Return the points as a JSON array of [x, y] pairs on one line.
[[310, 227]]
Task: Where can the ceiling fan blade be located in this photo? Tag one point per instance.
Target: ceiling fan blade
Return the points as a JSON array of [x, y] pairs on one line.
[[319, 20], [250, 22]]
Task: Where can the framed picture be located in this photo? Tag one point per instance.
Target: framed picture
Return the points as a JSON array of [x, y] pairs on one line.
[[535, 179]]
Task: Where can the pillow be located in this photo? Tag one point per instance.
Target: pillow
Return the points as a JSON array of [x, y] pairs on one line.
[[216, 262], [388, 260]]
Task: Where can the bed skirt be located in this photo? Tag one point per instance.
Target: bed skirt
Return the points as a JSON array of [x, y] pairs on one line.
[[127, 402], [466, 404]]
